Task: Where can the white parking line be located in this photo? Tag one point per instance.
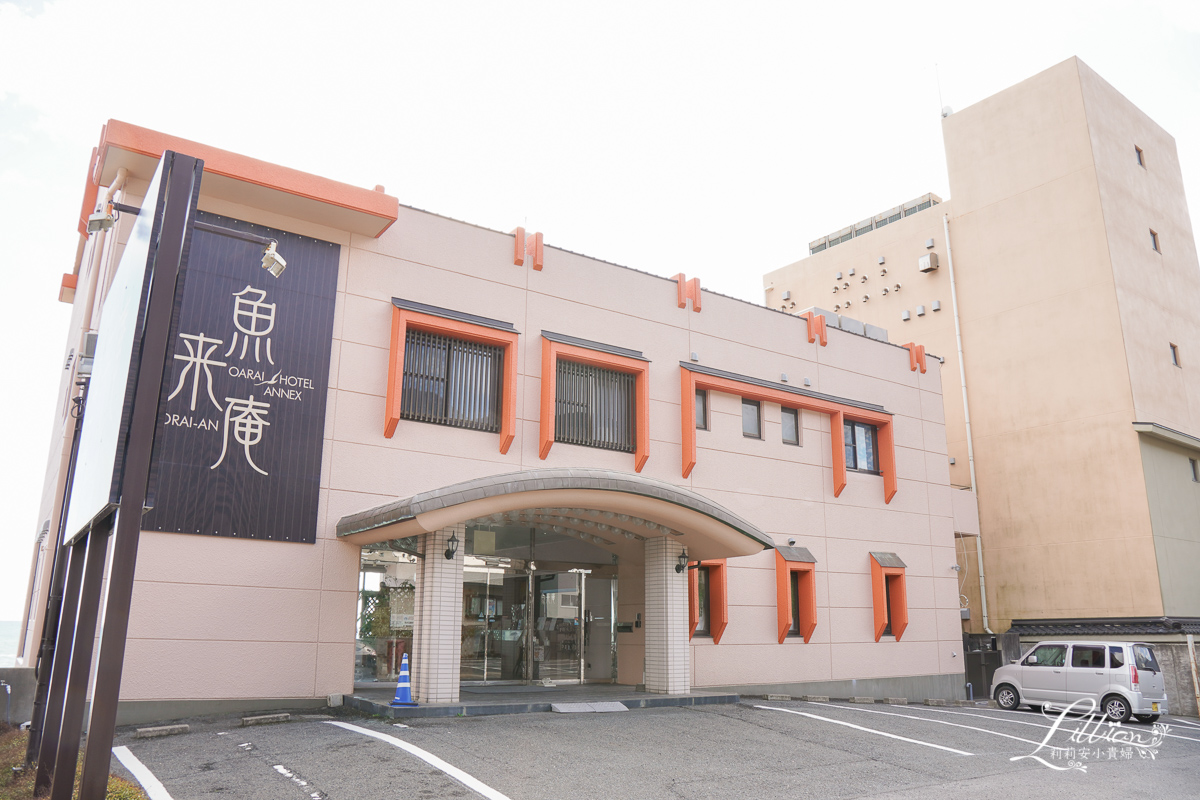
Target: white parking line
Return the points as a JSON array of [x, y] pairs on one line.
[[867, 730], [429, 758], [927, 719], [153, 786], [1007, 716]]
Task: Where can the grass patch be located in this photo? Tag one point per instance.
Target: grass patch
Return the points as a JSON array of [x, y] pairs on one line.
[[19, 786]]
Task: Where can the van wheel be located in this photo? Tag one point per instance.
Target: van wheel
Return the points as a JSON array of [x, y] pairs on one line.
[[1146, 718], [1116, 708], [1007, 697]]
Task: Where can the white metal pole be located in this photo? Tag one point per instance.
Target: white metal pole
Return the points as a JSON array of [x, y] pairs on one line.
[[962, 375], [1192, 658]]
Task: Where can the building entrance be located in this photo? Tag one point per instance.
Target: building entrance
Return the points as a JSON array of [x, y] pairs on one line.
[[547, 616]]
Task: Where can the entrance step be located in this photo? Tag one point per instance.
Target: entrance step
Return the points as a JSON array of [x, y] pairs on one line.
[[603, 701], [583, 708]]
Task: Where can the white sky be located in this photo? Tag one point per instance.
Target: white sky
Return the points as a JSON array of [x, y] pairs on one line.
[[705, 138]]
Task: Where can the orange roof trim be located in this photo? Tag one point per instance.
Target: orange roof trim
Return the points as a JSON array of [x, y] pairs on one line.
[[146, 142]]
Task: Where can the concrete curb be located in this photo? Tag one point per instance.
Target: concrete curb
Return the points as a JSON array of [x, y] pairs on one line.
[[265, 719], [160, 730]]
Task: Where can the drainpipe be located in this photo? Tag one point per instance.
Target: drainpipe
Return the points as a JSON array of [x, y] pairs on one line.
[[962, 374]]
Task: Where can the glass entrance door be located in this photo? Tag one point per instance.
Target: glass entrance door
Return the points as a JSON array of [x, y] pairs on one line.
[[495, 599], [557, 648]]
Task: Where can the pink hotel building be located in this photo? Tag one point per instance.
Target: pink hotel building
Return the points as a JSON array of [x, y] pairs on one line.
[[528, 466]]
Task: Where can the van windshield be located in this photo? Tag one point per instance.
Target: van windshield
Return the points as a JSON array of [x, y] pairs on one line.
[[1144, 658]]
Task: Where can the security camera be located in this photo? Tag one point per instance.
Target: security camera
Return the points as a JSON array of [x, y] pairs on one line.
[[272, 262], [791, 542]]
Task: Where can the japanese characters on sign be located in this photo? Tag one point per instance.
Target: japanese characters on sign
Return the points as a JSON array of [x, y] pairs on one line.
[[239, 436]]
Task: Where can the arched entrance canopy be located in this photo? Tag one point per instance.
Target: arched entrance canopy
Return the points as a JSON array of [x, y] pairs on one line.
[[616, 510]]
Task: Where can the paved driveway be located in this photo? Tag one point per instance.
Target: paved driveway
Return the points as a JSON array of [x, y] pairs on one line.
[[754, 749]]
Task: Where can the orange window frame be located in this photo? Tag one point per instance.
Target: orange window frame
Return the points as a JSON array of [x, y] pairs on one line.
[[404, 319], [718, 599], [838, 414], [807, 586], [553, 351], [880, 587]]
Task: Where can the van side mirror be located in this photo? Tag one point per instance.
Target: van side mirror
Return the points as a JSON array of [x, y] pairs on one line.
[[1031, 660]]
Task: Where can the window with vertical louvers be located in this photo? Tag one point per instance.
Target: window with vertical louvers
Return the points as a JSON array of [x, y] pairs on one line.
[[594, 407], [451, 382]]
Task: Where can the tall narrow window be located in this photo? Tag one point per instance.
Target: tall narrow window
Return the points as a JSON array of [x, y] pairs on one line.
[[888, 595], [791, 425], [702, 409], [860, 446], [795, 598], [796, 592], [751, 421], [451, 382], [1175, 355], [594, 407], [708, 600], [889, 587], [1141, 157], [1154, 241]]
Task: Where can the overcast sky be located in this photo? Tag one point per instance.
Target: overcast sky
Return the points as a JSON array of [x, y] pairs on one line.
[[711, 139]]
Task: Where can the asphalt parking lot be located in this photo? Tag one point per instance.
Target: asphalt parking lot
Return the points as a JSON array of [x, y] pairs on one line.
[[754, 749]]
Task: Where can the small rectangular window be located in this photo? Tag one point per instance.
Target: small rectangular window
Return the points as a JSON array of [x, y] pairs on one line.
[[1141, 157], [751, 421], [860, 446], [791, 426], [594, 407], [1154, 241], [451, 382], [1195, 469], [1175, 355], [701, 409]]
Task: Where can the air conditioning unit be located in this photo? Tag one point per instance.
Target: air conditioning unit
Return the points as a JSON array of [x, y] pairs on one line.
[[927, 262]]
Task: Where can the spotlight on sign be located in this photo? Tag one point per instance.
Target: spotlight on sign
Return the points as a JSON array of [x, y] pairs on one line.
[[102, 220], [272, 262]]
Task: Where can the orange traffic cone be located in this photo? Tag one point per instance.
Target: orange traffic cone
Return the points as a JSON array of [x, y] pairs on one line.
[[403, 689]]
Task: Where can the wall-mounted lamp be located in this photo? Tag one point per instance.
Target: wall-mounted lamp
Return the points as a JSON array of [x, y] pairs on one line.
[[452, 546], [682, 562]]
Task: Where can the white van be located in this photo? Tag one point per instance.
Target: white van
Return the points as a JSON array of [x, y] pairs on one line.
[[1123, 678]]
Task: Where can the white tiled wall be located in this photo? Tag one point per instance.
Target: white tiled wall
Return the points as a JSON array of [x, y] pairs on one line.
[[437, 649], [667, 651]]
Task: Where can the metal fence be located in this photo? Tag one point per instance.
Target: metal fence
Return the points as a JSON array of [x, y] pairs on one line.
[[451, 382], [594, 407]]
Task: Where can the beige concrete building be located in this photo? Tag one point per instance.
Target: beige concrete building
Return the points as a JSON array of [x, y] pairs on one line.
[[612, 477], [1065, 257]]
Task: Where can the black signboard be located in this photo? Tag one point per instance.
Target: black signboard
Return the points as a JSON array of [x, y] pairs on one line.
[[242, 412]]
